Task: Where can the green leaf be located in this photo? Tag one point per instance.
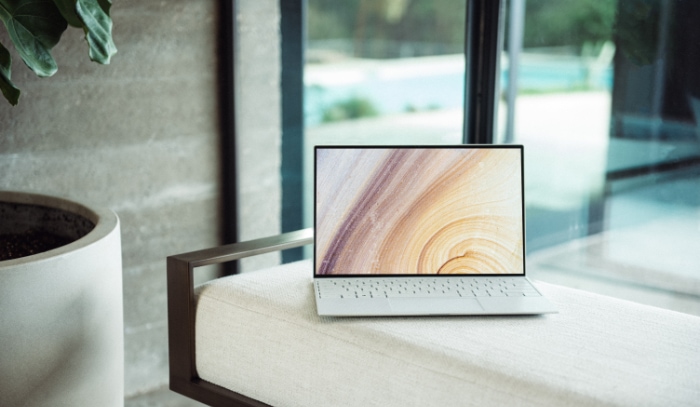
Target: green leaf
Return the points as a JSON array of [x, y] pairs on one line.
[[93, 17], [67, 9], [98, 28], [9, 90], [35, 26]]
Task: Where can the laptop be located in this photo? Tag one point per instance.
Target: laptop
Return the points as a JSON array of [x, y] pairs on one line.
[[421, 230]]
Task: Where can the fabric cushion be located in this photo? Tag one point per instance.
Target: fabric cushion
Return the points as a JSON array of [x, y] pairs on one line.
[[258, 334]]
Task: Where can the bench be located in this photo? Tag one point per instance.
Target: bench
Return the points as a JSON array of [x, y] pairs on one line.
[[255, 339]]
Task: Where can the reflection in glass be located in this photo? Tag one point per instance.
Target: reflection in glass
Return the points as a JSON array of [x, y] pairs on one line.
[[608, 109]]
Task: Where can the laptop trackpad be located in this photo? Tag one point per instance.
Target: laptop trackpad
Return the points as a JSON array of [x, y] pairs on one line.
[[434, 306]]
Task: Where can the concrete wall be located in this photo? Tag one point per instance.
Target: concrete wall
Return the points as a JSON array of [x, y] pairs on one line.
[[141, 136], [259, 124]]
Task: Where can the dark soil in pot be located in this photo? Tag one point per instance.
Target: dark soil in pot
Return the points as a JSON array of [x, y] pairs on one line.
[[31, 229]]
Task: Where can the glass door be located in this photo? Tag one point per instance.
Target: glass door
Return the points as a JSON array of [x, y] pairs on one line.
[[605, 96]]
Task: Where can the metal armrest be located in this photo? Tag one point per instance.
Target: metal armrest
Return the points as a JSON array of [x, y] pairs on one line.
[[181, 313]]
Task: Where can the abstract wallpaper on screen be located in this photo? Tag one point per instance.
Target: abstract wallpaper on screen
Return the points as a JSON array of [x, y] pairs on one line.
[[419, 211]]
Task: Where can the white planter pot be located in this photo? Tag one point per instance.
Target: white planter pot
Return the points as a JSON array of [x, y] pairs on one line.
[[61, 316]]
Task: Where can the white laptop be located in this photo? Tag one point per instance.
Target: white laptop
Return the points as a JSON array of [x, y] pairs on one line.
[[429, 230]]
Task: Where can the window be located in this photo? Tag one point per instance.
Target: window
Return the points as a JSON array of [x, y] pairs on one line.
[[603, 94], [375, 72], [382, 72], [605, 99]]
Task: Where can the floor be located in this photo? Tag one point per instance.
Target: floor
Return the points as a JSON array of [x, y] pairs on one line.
[[162, 397]]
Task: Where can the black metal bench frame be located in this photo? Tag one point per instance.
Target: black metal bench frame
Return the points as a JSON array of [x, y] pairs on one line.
[[182, 308]]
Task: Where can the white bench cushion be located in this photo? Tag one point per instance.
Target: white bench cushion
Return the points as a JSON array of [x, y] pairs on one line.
[[258, 334]]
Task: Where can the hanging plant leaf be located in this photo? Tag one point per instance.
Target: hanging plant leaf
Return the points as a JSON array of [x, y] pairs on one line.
[[9, 90], [98, 29], [93, 17], [34, 26]]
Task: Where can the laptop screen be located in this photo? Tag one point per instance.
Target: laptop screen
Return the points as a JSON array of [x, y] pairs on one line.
[[438, 210]]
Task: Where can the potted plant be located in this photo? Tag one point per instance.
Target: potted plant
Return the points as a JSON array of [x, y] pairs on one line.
[[36, 26], [61, 310]]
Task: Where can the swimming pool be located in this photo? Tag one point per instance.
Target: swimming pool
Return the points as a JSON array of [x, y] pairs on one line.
[[433, 83]]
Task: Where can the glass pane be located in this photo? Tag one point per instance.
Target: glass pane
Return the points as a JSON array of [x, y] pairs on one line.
[[382, 72], [605, 96]]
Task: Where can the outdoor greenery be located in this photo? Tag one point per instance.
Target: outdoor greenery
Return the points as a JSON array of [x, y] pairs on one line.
[[574, 23], [387, 28], [36, 26], [351, 108], [637, 34]]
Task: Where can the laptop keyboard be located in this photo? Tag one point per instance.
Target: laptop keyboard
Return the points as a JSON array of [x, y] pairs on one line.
[[414, 287]]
